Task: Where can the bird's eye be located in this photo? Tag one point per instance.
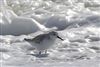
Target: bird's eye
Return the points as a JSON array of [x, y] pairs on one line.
[[54, 33]]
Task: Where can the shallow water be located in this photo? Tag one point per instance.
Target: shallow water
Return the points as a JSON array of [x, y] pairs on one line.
[[78, 22]]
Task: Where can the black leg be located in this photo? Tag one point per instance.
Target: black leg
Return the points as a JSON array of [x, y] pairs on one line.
[[39, 52], [45, 51]]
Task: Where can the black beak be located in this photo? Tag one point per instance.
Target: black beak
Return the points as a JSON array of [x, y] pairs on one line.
[[60, 38]]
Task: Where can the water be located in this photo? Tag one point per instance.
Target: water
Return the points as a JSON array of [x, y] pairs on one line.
[[78, 22]]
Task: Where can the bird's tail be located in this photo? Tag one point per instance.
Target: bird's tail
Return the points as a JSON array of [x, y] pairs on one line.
[[27, 39]]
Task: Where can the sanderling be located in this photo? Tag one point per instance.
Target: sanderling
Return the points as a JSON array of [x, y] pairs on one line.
[[43, 41]]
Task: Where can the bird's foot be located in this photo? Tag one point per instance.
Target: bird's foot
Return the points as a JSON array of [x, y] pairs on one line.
[[40, 54]]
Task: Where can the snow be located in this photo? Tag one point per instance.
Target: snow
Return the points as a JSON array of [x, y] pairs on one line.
[[77, 22]]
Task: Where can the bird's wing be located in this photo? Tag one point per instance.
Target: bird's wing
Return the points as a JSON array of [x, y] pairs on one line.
[[33, 35], [38, 33]]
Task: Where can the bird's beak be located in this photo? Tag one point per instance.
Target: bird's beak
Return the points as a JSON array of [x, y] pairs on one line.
[[60, 38]]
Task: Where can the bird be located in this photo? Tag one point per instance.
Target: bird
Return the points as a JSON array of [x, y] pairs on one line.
[[43, 41]]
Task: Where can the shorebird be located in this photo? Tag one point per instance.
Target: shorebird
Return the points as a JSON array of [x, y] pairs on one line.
[[44, 41]]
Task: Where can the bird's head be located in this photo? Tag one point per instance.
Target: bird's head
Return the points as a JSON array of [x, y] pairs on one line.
[[55, 34]]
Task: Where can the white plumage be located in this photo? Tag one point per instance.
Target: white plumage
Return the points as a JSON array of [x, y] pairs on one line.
[[43, 41]]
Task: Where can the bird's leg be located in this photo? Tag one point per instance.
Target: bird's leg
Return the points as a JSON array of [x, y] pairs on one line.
[[39, 52], [45, 51]]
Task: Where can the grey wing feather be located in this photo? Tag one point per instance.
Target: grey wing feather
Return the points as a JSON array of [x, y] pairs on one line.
[[33, 35]]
